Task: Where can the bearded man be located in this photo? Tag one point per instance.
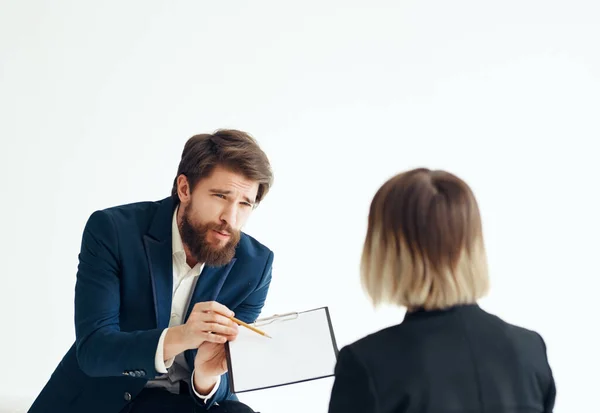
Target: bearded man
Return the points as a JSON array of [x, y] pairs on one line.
[[156, 285]]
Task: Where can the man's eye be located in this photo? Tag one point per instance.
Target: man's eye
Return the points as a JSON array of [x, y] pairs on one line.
[[219, 196], [248, 204]]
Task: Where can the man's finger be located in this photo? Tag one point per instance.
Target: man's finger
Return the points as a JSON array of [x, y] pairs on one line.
[[220, 308], [211, 317], [219, 329], [214, 338], [215, 307]]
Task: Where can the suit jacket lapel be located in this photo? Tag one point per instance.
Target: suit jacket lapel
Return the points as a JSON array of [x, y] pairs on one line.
[[209, 285], [158, 244]]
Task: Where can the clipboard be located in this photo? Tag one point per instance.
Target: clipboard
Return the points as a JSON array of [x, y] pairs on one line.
[[302, 348]]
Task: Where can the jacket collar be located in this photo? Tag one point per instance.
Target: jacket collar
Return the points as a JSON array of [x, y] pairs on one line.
[[159, 251], [420, 312], [158, 244]]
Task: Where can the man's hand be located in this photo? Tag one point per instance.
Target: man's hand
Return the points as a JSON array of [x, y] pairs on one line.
[[209, 364], [208, 323]]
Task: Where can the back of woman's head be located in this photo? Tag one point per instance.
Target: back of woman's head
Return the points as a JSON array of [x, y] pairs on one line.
[[424, 245]]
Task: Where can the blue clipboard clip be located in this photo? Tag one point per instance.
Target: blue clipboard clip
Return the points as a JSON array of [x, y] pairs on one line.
[[275, 318]]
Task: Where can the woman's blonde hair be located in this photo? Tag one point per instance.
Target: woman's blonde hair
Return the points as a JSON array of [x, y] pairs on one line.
[[424, 245]]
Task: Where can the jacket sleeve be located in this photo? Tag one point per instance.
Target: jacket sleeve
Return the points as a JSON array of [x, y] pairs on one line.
[[353, 390], [248, 311], [550, 397], [102, 349], [548, 383]]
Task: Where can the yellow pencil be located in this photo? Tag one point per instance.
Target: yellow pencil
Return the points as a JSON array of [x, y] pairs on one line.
[[256, 330]]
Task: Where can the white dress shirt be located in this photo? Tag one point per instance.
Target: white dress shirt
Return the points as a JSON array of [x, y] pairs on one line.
[[184, 281]]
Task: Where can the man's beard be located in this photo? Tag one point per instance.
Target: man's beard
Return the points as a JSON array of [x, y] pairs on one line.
[[195, 237]]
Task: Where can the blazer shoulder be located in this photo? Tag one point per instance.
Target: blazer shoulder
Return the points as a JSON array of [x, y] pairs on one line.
[[517, 332], [526, 341], [145, 209], [529, 339], [250, 248], [367, 346], [133, 217]]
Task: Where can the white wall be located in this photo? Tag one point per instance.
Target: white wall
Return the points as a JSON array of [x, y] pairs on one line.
[[97, 99]]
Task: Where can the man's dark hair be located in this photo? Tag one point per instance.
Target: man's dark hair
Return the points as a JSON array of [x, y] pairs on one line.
[[228, 148]]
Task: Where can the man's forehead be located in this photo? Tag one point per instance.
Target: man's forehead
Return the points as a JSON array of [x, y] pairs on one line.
[[222, 178], [227, 176]]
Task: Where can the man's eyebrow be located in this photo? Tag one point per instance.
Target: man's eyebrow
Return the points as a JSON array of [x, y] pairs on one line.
[[220, 191], [227, 192]]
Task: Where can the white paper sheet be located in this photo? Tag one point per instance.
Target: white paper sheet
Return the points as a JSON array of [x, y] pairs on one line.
[[301, 348]]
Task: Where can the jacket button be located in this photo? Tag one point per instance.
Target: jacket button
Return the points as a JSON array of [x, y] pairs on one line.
[[127, 396]]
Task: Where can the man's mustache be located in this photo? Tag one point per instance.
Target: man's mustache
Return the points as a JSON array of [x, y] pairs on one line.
[[223, 228]]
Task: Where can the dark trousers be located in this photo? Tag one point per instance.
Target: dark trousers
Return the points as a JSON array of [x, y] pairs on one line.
[[162, 401]]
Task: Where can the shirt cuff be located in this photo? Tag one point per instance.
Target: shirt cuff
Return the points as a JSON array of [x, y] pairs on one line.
[[209, 395], [159, 360]]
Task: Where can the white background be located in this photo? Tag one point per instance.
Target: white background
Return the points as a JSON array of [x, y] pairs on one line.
[[98, 98]]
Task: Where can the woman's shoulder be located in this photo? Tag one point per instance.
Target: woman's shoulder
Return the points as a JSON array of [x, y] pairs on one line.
[[416, 330], [377, 341], [520, 333]]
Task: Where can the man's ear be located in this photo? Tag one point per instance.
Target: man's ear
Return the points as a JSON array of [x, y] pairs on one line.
[[183, 188]]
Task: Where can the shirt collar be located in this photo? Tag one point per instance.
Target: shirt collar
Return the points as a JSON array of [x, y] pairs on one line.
[[177, 246]]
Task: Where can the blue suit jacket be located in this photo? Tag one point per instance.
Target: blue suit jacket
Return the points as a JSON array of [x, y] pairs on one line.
[[123, 302]]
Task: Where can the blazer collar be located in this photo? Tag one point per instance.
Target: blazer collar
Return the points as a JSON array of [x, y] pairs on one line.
[[158, 245], [209, 284], [160, 228], [159, 251], [207, 288], [419, 313]]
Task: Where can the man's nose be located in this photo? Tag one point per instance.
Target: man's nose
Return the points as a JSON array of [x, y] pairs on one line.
[[229, 215]]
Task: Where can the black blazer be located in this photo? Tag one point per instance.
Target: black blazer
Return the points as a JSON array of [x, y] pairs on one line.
[[460, 360]]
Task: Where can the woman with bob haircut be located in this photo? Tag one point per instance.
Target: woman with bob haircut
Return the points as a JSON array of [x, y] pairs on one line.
[[424, 250]]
